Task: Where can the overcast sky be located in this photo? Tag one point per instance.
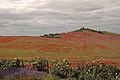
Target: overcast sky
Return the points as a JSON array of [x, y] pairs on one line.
[[36, 17]]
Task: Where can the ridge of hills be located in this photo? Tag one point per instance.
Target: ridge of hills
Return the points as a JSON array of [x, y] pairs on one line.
[[56, 35]]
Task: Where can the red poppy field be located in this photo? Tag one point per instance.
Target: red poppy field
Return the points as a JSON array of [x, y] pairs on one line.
[[74, 46]]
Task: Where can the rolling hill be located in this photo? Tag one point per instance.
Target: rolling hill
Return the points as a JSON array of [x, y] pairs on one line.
[[82, 44]]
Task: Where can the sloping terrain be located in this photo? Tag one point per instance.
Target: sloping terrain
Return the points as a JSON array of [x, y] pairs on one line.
[[77, 45]]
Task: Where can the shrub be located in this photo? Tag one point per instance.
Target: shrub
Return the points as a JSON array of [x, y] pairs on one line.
[[61, 68], [98, 71], [52, 35], [40, 64], [6, 64]]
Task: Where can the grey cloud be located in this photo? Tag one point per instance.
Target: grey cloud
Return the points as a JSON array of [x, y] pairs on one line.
[[12, 16], [45, 16]]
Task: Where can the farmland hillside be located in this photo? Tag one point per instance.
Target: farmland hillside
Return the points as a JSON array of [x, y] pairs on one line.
[[80, 44]]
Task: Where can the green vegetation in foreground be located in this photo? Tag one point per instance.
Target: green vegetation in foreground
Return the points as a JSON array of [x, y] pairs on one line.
[[61, 70]]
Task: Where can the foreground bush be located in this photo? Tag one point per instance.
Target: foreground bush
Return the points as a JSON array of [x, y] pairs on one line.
[[92, 71], [61, 68], [6, 64], [40, 64], [98, 71]]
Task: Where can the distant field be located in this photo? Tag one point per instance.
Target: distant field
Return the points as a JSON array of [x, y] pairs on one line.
[[75, 46]]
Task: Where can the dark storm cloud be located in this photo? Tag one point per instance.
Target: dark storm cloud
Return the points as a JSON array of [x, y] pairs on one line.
[[35, 17]]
